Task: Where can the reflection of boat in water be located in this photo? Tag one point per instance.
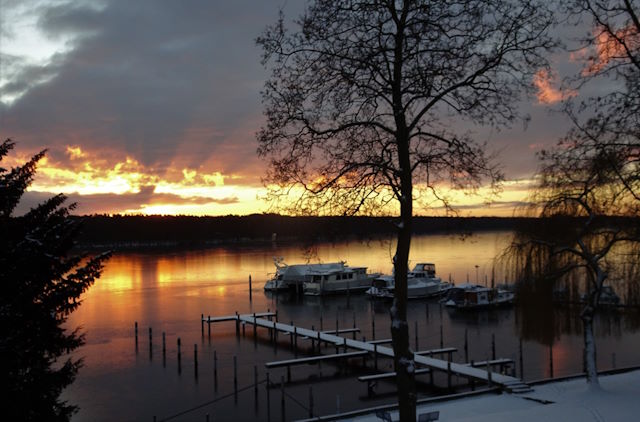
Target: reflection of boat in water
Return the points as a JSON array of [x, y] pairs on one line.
[[421, 283], [319, 279], [469, 296], [608, 297]]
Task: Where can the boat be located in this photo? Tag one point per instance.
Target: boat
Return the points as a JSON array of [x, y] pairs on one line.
[[422, 282], [334, 279], [470, 296], [289, 277]]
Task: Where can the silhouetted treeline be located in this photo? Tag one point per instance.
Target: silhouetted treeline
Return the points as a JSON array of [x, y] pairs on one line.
[[132, 231]]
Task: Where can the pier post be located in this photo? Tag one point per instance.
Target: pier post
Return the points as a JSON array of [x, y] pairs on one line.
[[244, 326], [237, 324], [267, 387], [136, 334], [466, 345], [150, 343], [551, 361], [179, 356], [164, 349], [313, 342], [337, 328], [255, 328], [295, 340], [291, 337], [321, 329], [375, 356], [493, 346], [373, 326], [209, 326], [202, 324], [416, 333], [441, 335], [521, 365], [354, 326], [195, 359], [274, 333], [489, 376], [319, 342], [215, 371], [344, 343], [282, 398], [250, 293], [235, 378], [449, 375], [255, 383]]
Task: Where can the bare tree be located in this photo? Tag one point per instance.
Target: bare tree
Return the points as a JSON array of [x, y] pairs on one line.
[[363, 104]]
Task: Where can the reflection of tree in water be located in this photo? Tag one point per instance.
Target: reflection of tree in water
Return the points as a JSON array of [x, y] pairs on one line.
[[541, 320]]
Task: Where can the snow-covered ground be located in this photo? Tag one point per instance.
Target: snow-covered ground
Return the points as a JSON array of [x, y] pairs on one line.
[[617, 399]]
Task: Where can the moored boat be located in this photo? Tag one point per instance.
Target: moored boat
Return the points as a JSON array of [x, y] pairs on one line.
[[335, 280], [470, 296], [422, 282], [289, 277]]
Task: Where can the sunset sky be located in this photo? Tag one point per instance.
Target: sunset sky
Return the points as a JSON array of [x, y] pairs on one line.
[[152, 106]]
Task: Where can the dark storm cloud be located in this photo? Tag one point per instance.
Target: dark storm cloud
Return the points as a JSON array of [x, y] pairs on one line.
[[142, 76]]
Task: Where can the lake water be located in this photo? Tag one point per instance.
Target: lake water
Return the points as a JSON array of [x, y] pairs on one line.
[[168, 290]]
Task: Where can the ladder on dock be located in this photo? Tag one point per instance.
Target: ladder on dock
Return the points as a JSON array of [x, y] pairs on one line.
[[508, 383]]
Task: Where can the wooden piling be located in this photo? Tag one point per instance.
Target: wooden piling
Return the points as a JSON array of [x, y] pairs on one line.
[[291, 337], [551, 361], [202, 324], [195, 359], [489, 376], [255, 383], [493, 346], [373, 326], [344, 344], [267, 387], [255, 328], [237, 324], [448, 375], [215, 371], [150, 342], [282, 398], [164, 344], [295, 340], [354, 326], [441, 336], [179, 356], [136, 334], [521, 361], [321, 329], [209, 326], [250, 292], [337, 330], [416, 333], [235, 377], [313, 342], [375, 355], [466, 345]]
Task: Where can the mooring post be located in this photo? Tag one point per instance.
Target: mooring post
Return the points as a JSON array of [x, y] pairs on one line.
[[521, 365], [466, 345], [321, 329], [373, 326], [375, 356], [237, 324], [282, 397], [416, 333], [179, 357], [207, 418], [319, 342], [295, 340], [150, 342], [274, 333], [489, 376], [493, 346], [255, 383], [291, 337], [288, 373], [337, 330], [354, 326], [255, 327], [551, 361], [215, 371], [344, 343], [449, 375], [313, 341], [164, 344], [441, 337], [244, 325], [195, 359], [209, 326], [267, 386], [235, 377], [250, 293], [310, 401], [136, 331], [202, 324]]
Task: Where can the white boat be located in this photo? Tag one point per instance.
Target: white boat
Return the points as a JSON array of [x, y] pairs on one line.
[[288, 277], [470, 296], [421, 283], [333, 280]]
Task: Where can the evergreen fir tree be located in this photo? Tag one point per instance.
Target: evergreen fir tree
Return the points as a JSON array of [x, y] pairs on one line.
[[41, 284]]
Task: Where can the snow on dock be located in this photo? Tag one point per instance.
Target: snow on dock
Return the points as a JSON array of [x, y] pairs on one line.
[[508, 383]]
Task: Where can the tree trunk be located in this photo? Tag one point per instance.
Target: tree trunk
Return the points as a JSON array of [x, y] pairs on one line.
[[589, 346]]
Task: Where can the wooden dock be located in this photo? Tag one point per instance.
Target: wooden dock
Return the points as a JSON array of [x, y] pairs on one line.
[[507, 383]]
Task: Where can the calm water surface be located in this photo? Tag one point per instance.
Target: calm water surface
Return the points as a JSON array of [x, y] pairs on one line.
[[168, 290]]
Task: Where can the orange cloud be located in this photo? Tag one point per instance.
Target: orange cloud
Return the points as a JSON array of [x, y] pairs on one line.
[[545, 81], [609, 47]]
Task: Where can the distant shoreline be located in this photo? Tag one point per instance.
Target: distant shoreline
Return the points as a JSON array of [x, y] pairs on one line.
[[143, 232]]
